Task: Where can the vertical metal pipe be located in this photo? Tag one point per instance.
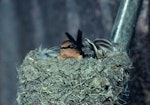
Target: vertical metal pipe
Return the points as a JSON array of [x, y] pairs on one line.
[[125, 23]]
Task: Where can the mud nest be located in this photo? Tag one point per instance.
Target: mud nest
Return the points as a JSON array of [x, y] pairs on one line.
[[45, 80]]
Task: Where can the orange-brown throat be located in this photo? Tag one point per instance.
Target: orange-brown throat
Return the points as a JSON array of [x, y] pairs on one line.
[[69, 50]]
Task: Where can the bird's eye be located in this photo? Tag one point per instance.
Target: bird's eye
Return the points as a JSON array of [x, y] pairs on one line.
[[72, 46]]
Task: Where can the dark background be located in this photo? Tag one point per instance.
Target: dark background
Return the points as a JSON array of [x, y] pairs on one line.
[[27, 24]]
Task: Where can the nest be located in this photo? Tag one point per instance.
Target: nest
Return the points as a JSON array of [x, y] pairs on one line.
[[45, 80]]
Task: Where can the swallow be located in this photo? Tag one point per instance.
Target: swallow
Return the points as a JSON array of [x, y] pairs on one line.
[[100, 47], [71, 48]]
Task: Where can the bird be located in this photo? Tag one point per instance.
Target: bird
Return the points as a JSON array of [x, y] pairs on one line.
[[78, 49], [71, 49], [100, 47]]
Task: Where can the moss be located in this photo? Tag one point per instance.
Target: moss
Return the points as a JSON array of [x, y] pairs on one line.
[[45, 80]]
